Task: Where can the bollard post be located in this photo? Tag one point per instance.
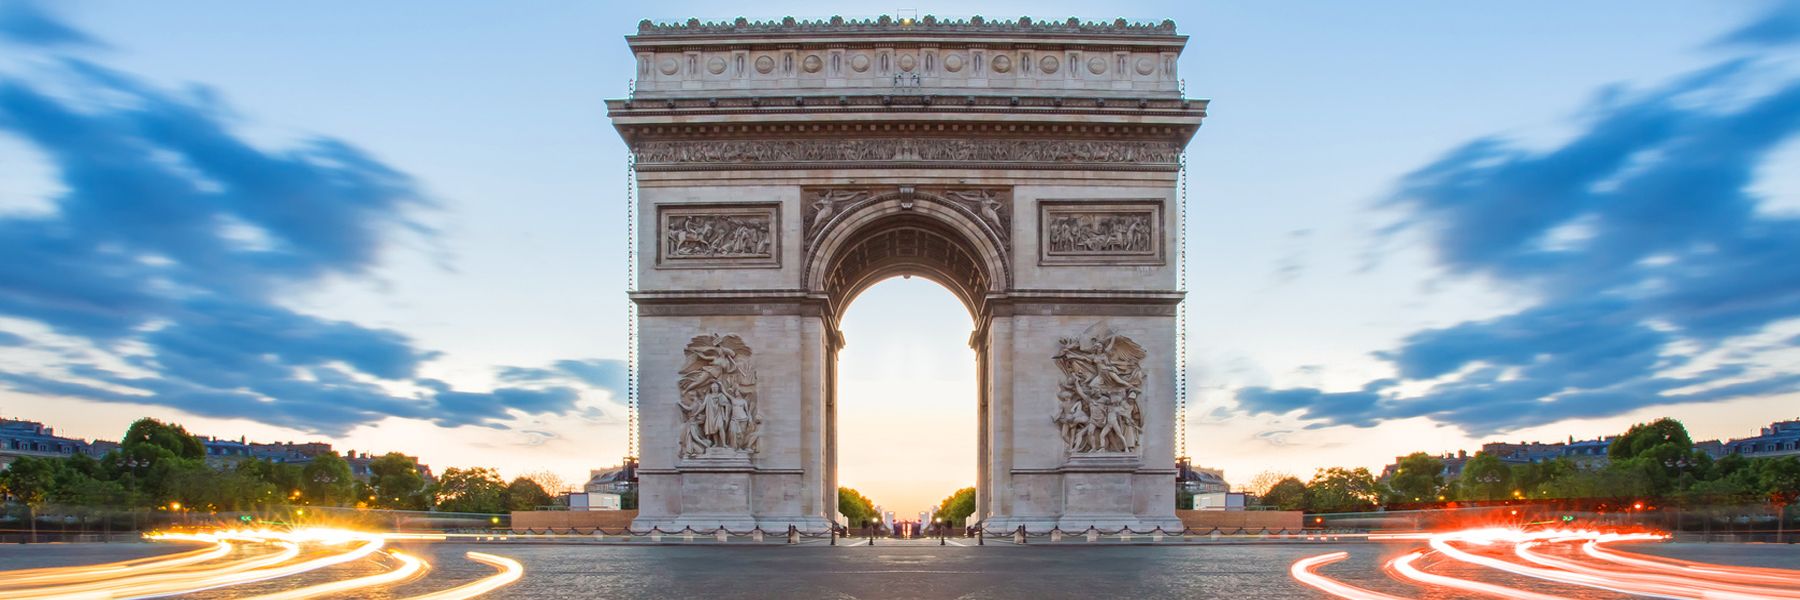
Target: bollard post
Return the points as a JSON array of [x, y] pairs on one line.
[[834, 534], [793, 534], [1019, 535]]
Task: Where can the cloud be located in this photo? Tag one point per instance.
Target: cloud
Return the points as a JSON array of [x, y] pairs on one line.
[[1639, 240], [175, 241], [26, 23], [1779, 26], [600, 373], [11, 339]]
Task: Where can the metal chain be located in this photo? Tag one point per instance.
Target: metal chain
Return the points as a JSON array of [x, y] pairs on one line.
[[1181, 386], [631, 319]]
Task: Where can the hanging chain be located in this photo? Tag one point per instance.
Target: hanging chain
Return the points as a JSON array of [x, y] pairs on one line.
[[1181, 386], [631, 318]]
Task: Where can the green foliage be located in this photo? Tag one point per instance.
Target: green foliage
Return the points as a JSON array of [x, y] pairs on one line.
[[525, 494], [395, 482], [476, 490], [1341, 490], [327, 481], [153, 438], [1419, 477], [1287, 494], [855, 508], [1643, 437], [1485, 477], [957, 506]]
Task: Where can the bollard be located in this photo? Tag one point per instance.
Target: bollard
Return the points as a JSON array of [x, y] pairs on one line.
[[834, 534], [1019, 535], [981, 535], [793, 534], [1093, 535], [721, 535], [1055, 535]]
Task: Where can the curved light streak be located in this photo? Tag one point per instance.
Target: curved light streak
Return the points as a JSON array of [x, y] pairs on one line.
[[1302, 571], [510, 571], [1404, 566], [77, 574], [410, 568], [241, 556], [1616, 571]]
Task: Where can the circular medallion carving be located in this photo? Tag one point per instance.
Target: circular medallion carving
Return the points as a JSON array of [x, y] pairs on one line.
[[716, 65], [907, 62], [1002, 63], [1145, 66], [668, 66], [953, 63], [764, 64], [1049, 64], [859, 63], [812, 64], [1096, 65]]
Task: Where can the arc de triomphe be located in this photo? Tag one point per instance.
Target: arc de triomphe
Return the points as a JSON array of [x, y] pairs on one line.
[[1030, 168]]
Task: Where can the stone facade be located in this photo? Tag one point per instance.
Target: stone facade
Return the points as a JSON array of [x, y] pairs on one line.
[[1028, 167]]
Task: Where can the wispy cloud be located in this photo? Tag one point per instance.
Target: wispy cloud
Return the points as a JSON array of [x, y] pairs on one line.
[[1640, 240], [175, 240]]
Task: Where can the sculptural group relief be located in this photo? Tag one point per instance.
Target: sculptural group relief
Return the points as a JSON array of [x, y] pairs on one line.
[[1098, 397], [718, 235], [650, 154], [718, 398], [1101, 232]]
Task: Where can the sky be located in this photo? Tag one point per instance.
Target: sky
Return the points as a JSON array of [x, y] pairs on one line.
[[1412, 225]]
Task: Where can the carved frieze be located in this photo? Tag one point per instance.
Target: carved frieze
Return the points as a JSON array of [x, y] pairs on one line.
[[1106, 232], [717, 398], [991, 207], [1098, 399], [811, 152], [718, 235]]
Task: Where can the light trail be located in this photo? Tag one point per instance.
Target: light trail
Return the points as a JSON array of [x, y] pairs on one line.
[[242, 556], [510, 571], [410, 568], [62, 575], [1404, 566], [1585, 561], [1302, 571]]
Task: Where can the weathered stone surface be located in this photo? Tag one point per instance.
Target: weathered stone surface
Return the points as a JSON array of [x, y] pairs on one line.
[[1027, 167]]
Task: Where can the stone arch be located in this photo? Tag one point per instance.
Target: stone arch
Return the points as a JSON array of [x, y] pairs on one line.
[[907, 232]]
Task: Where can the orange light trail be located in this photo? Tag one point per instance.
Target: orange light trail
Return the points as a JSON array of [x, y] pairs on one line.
[[1581, 559], [241, 556]]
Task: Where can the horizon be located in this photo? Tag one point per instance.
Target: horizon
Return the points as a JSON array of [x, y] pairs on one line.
[[1479, 225]]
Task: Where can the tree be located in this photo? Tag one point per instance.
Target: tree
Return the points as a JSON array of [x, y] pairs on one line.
[[327, 481], [1260, 485], [1419, 477], [1341, 490], [30, 481], [1642, 437], [395, 482], [525, 494], [855, 508], [1287, 494], [1485, 477], [476, 490], [174, 439], [552, 484], [957, 506]]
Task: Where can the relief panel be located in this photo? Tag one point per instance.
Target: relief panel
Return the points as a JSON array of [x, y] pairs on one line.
[[1108, 232], [715, 236]]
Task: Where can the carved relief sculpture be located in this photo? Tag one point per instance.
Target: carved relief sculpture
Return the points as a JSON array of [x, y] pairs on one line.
[[1101, 232], [1059, 152], [718, 235], [718, 398], [1098, 398]]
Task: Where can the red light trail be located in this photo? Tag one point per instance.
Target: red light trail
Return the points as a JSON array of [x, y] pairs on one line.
[[1578, 558]]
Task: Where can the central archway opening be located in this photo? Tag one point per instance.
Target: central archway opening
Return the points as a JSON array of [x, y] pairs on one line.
[[907, 396]]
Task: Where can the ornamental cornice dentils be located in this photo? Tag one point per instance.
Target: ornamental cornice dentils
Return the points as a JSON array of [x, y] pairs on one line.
[[890, 24]]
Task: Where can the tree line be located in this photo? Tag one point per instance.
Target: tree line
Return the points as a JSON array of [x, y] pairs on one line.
[[162, 466], [1653, 461]]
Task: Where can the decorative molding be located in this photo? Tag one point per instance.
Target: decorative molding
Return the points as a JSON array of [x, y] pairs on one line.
[[714, 236], [1098, 399], [1100, 232], [890, 24], [718, 400], [817, 153]]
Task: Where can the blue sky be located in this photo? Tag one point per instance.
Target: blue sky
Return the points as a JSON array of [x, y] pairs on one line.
[[1413, 225]]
